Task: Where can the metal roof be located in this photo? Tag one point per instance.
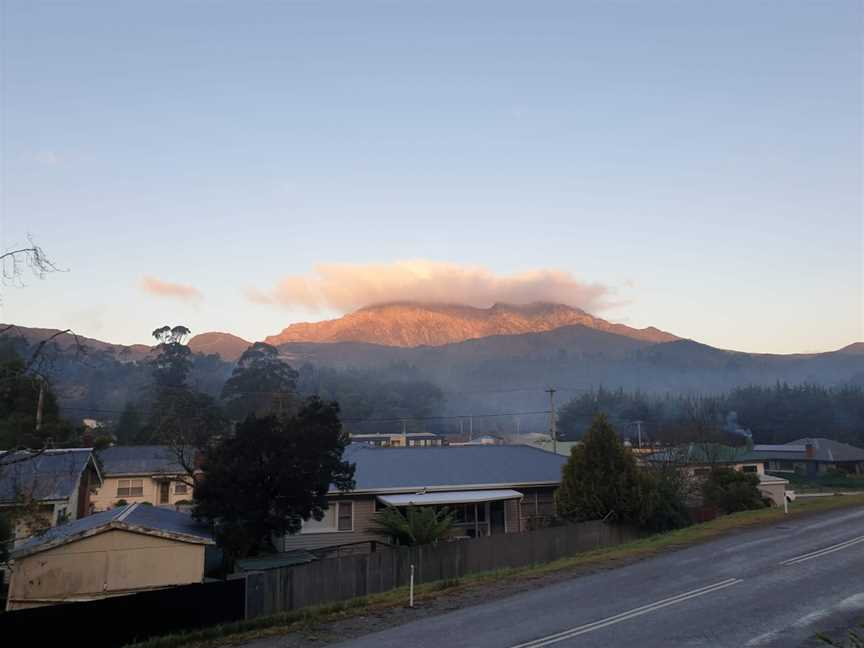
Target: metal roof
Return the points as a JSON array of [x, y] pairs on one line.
[[451, 468], [707, 453], [449, 497], [44, 476], [139, 460], [830, 450], [137, 518]]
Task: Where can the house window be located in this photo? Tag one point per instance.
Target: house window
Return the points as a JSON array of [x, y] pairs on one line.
[[338, 517], [346, 516], [130, 488], [750, 469], [180, 489]]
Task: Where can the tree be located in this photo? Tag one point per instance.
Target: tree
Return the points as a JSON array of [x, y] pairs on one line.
[[31, 256], [665, 492], [271, 475], [731, 490], [181, 418], [21, 425], [600, 479], [418, 525], [129, 426], [260, 384], [172, 364]]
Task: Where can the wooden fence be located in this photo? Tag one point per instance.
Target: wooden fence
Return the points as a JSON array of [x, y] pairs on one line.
[[339, 579]]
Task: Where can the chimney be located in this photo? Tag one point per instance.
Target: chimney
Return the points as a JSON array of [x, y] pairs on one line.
[[808, 450]]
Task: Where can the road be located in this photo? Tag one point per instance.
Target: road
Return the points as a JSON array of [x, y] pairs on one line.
[[768, 587]]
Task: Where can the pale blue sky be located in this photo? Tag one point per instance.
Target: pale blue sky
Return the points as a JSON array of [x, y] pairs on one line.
[[702, 159]]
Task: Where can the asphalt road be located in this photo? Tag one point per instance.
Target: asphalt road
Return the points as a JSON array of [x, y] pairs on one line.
[[769, 587]]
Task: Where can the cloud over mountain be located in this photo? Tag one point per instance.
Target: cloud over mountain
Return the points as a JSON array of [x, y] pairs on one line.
[[346, 287], [160, 288]]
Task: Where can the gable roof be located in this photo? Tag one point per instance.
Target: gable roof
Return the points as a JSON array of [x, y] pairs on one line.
[[707, 453], [48, 475], [829, 450], [139, 460], [449, 467], [135, 518]]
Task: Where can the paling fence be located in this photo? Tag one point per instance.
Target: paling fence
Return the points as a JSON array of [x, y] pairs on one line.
[[340, 579], [118, 621]]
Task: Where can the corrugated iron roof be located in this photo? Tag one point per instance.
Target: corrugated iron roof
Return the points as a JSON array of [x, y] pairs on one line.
[[43, 476], [410, 469], [138, 518]]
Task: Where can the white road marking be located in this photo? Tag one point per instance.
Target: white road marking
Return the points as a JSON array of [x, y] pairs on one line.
[[624, 616], [822, 552]]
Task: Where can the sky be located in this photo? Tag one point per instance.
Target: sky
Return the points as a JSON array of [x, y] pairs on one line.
[[694, 166]]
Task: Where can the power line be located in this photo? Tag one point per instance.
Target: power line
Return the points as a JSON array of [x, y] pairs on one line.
[[389, 419]]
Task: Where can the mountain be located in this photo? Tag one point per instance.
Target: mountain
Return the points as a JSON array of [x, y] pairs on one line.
[[407, 324], [63, 341], [229, 347]]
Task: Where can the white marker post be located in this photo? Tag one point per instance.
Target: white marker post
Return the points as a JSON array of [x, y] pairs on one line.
[[411, 589], [785, 504]]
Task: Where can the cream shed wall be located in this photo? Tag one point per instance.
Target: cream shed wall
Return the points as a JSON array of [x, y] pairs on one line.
[[110, 563]]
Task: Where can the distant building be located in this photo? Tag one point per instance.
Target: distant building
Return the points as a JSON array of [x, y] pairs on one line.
[[697, 459], [812, 456], [491, 488], [150, 474], [122, 551], [47, 488], [409, 440]]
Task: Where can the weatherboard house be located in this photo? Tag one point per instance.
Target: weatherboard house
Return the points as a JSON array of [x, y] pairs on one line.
[[491, 488], [47, 488]]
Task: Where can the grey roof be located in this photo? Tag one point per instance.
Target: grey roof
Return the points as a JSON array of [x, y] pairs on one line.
[[43, 476], [830, 450], [392, 469], [138, 518], [139, 460], [707, 453]]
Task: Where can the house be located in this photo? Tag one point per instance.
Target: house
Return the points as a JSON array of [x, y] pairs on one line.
[[151, 474], [697, 459], [122, 551], [408, 440], [812, 456], [46, 488], [491, 488]]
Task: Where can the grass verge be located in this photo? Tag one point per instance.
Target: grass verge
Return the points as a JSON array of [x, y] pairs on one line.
[[307, 619]]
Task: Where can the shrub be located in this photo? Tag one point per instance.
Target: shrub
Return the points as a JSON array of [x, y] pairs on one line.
[[731, 491]]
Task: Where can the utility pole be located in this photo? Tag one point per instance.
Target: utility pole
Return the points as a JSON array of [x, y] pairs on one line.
[[553, 432], [639, 432], [39, 405]]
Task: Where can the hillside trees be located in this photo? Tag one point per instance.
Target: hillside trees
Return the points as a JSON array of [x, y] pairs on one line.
[[271, 475], [260, 384]]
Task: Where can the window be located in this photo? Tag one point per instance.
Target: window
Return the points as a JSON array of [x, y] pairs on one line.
[[180, 489], [750, 469], [338, 517], [346, 516], [130, 488]]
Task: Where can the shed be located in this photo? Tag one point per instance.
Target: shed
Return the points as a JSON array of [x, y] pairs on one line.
[[122, 551]]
